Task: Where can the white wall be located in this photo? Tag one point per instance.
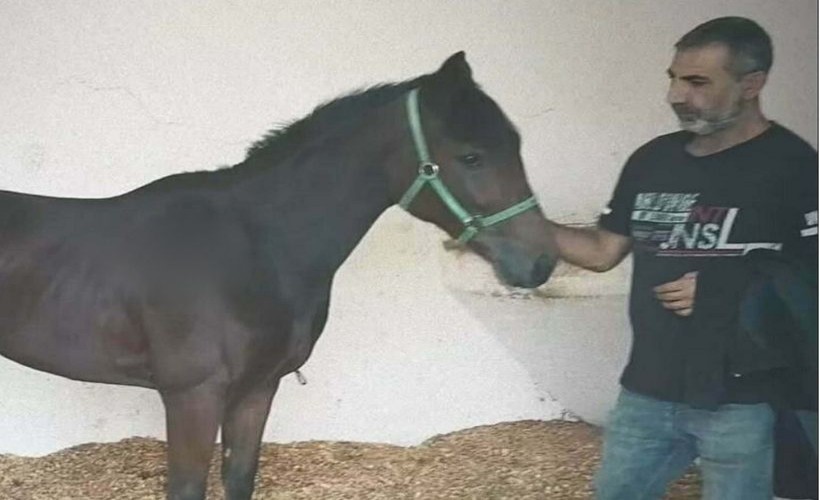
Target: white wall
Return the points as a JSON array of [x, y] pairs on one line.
[[99, 97]]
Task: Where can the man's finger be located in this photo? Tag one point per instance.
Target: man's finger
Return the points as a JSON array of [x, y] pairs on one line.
[[672, 295], [684, 312], [677, 304], [685, 281], [672, 286]]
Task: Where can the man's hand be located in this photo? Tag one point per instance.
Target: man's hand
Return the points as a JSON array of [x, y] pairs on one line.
[[678, 296]]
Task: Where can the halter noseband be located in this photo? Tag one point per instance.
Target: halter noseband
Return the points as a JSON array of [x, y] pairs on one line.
[[429, 174]]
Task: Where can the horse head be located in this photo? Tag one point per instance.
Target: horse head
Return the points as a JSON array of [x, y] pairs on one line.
[[468, 177]]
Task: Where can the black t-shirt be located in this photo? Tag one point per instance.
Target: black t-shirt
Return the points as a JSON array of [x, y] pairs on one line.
[[682, 211]]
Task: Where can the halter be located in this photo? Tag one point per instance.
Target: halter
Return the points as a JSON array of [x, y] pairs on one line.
[[428, 174]]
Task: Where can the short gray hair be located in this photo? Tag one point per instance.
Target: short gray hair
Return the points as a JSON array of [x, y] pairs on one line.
[[750, 47]]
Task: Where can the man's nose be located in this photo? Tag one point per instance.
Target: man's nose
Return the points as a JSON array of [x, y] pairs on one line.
[[676, 93]]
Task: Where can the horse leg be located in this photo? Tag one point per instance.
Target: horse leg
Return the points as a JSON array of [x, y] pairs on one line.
[[242, 429], [192, 417]]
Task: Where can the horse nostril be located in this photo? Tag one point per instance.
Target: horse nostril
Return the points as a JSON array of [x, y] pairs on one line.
[[542, 269]]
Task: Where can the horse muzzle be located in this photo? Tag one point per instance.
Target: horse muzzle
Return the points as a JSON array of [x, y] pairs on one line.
[[524, 273]]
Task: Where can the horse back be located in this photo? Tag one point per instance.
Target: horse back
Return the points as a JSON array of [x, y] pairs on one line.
[[90, 289]]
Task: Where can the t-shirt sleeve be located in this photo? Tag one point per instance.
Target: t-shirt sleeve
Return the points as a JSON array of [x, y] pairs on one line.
[[616, 215], [801, 192]]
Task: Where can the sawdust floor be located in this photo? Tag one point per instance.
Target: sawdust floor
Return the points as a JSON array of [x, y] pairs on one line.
[[518, 460]]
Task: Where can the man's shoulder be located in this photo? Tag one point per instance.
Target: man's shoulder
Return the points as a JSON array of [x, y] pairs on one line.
[[676, 140], [789, 144], [794, 159], [661, 145]]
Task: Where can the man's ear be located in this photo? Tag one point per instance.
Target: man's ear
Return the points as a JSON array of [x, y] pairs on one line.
[[753, 84]]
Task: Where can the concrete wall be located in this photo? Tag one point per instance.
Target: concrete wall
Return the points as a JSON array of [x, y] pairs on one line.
[[99, 97]]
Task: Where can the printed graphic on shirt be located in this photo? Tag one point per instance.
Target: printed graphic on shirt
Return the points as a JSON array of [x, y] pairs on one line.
[[811, 224], [674, 225]]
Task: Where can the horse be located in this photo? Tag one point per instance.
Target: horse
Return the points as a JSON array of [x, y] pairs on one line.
[[210, 286]]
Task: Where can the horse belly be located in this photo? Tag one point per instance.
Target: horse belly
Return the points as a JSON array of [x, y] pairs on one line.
[[78, 333]]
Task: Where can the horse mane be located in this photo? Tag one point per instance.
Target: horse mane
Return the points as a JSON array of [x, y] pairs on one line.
[[280, 143], [326, 118], [474, 116]]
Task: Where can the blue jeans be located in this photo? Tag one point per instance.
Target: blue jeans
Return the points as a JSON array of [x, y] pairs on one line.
[[649, 443]]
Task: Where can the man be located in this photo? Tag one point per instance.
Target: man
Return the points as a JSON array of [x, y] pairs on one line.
[[692, 206]]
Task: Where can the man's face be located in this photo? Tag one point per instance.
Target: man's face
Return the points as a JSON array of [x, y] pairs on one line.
[[705, 96]]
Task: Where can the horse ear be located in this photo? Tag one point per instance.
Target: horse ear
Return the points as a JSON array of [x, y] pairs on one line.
[[452, 79], [455, 70]]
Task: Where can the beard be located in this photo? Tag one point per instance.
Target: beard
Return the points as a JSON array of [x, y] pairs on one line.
[[706, 122]]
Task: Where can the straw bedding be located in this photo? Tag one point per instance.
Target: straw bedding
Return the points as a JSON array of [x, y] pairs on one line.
[[517, 460]]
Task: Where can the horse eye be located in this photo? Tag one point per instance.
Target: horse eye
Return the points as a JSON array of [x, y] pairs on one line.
[[470, 160]]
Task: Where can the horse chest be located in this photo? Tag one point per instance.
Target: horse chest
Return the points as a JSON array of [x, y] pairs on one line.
[[287, 346], [301, 342]]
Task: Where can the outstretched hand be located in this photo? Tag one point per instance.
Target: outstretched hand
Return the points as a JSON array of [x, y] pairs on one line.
[[678, 296]]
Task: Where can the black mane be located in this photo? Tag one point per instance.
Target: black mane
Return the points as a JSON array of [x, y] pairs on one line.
[[324, 120], [472, 116], [280, 143]]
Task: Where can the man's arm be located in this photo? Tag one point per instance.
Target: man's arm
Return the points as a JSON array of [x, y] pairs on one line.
[[600, 250], [595, 249]]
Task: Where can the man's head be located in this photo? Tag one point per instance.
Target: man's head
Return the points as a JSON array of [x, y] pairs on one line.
[[718, 72]]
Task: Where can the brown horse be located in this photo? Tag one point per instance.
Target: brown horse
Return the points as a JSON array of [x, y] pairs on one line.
[[211, 286]]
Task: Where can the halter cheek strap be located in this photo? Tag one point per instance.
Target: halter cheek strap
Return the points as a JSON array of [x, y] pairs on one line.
[[429, 175]]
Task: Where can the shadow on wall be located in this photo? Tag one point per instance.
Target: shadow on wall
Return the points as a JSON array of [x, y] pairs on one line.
[[571, 335]]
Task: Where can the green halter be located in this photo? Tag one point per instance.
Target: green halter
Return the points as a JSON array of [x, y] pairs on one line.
[[428, 174]]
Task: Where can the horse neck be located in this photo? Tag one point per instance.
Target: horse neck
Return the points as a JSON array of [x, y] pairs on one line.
[[317, 205]]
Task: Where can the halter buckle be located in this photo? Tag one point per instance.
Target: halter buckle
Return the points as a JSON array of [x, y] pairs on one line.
[[428, 170], [474, 221]]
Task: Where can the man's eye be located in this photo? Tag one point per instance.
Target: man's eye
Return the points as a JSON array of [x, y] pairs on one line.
[[470, 160]]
